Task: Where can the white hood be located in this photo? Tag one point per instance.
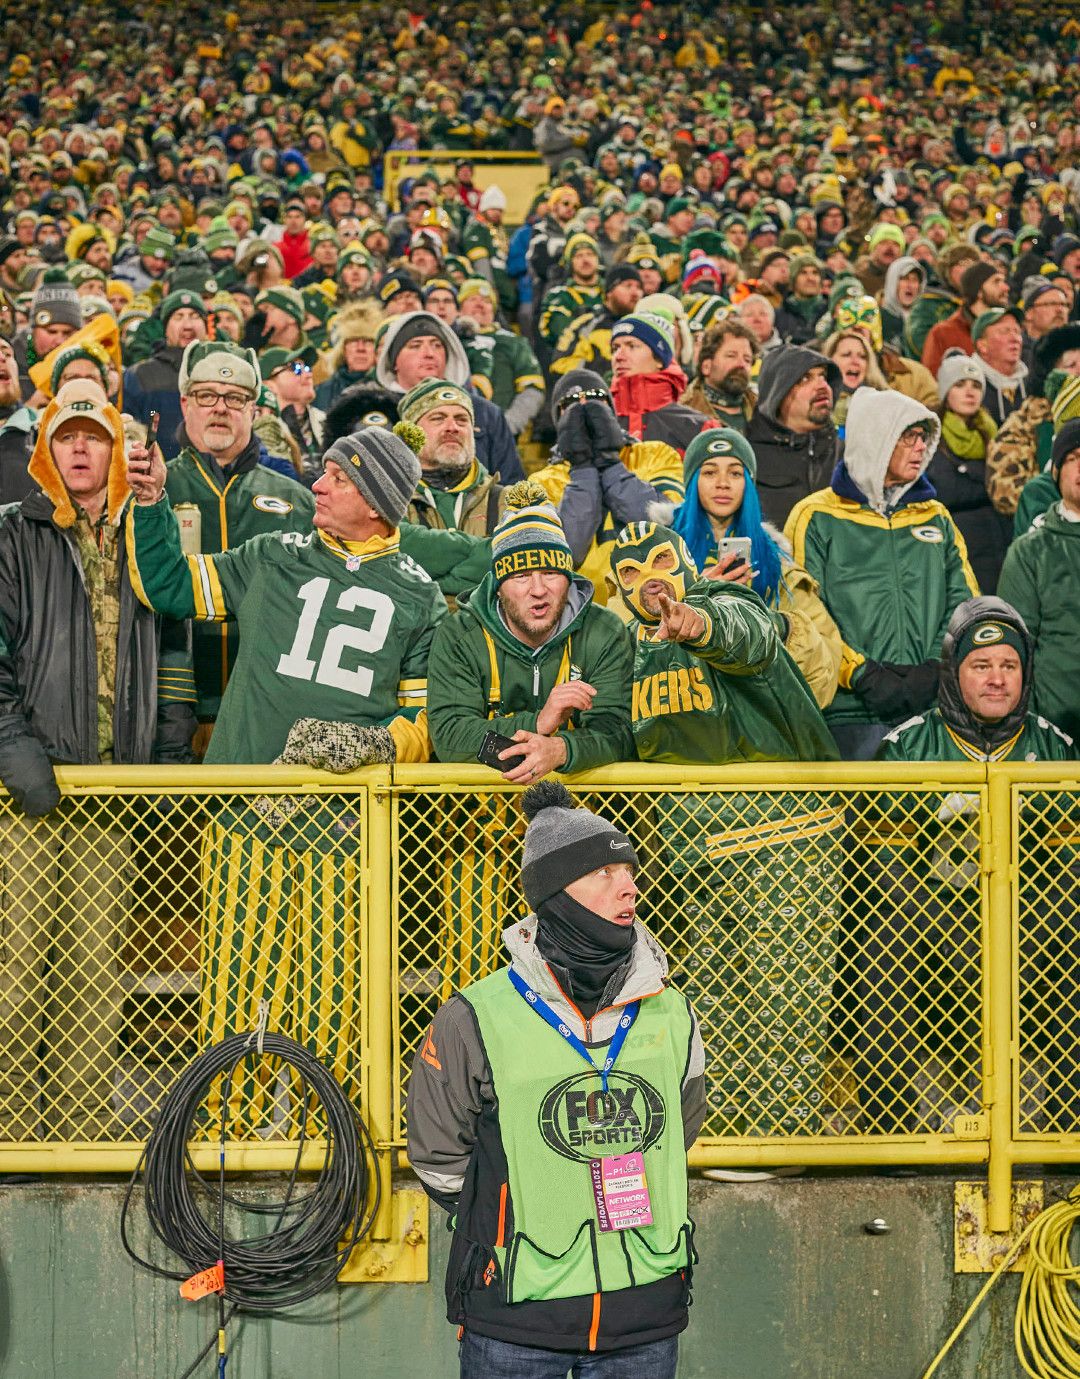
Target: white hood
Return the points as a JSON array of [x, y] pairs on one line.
[[457, 362], [875, 421]]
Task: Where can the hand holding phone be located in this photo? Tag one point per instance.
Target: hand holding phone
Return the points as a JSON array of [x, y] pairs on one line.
[[492, 745]]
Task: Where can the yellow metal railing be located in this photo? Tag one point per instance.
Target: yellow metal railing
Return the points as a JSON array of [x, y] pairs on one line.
[[881, 958]]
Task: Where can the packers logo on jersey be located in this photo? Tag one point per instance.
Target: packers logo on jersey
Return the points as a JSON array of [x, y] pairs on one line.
[[931, 535], [266, 502]]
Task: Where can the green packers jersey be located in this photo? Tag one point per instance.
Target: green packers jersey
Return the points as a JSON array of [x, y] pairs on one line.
[[332, 630], [253, 500]]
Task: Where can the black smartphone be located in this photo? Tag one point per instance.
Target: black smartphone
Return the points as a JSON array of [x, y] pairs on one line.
[[492, 745], [151, 431]]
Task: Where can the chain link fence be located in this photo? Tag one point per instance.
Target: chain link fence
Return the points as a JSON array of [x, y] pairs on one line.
[[833, 931], [830, 939]]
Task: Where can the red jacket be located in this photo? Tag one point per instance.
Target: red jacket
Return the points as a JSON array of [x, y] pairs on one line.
[[952, 333], [647, 405], [295, 253]]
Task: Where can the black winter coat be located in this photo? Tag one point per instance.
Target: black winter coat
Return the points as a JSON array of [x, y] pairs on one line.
[[961, 486], [48, 654], [790, 465]]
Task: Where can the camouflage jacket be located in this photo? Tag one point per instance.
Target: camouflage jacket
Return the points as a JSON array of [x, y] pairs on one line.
[[1018, 452]]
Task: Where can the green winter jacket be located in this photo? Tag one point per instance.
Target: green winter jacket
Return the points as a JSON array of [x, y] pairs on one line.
[[1041, 579], [472, 507], [252, 501], [927, 737], [332, 630], [482, 679], [504, 363], [890, 573], [928, 310], [736, 695], [1036, 496]]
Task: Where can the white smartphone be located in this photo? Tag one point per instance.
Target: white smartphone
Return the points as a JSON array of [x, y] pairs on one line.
[[733, 545]]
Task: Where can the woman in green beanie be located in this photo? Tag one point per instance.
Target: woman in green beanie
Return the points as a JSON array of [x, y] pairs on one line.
[[721, 501]]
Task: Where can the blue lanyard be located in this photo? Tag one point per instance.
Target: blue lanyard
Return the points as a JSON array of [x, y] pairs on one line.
[[542, 1009]]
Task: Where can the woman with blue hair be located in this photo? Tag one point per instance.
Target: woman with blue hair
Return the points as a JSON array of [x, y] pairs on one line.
[[719, 470]]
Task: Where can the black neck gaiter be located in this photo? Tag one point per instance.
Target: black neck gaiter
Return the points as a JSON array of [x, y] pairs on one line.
[[588, 948]]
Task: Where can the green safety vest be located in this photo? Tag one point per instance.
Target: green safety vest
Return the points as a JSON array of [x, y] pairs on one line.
[[554, 1120]]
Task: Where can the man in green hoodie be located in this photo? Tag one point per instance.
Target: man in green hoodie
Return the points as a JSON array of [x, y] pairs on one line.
[[530, 656]]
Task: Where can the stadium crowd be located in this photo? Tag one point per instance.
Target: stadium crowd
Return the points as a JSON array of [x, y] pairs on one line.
[[789, 340], [758, 439], [753, 436]]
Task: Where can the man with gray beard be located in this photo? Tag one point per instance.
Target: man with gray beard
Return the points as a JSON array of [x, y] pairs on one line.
[[18, 425], [455, 490]]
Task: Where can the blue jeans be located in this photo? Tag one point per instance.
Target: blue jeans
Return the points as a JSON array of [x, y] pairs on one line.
[[485, 1358]]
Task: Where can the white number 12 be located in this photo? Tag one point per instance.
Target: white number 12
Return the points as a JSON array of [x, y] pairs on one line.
[[296, 662]]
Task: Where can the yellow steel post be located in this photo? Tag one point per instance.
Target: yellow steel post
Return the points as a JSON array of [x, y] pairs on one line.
[[998, 952], [378, 997]]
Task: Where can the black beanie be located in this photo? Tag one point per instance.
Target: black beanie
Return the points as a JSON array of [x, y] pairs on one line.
[[621, 273], [577, 381], [1065, 442]]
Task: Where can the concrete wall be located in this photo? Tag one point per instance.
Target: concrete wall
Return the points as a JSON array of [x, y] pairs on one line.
[[789, 1287]]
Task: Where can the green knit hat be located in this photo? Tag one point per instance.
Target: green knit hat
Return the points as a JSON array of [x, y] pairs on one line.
[[220, 236], [720, 443], [286, 299], [158, 243], [979, 635], [97, 356], [432, 393], [530, 535], [578, 241], [176, 300]]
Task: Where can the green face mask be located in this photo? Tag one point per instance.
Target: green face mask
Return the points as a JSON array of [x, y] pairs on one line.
[[646, 551]]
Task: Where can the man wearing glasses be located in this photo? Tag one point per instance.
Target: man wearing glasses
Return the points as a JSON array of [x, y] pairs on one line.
[[890, 563], [234, 496], [287, 373]]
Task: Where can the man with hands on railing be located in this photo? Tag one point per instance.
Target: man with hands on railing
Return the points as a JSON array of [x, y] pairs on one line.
[[88, 676], [528, 656]]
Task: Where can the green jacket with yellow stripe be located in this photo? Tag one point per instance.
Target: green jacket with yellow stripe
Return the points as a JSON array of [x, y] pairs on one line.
[[891, 581], [252, 500], [481, 679], [734, 695], [502, 365]]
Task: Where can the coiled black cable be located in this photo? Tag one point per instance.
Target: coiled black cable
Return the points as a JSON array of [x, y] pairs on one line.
[[309, 1243]]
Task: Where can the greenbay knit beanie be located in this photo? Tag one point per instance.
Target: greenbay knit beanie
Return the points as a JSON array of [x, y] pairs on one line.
[[529, 536], [564, 843]]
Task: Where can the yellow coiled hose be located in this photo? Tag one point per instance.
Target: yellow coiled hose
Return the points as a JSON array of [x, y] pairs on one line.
[[1046, 1329]]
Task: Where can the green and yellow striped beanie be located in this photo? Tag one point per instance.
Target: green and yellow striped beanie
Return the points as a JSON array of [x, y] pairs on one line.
[[529, 536]]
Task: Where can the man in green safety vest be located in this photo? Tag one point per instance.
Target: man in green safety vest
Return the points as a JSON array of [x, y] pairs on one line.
[[550, 1109]]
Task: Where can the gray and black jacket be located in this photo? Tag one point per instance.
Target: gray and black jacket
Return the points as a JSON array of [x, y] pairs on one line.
[[455, 1147]]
